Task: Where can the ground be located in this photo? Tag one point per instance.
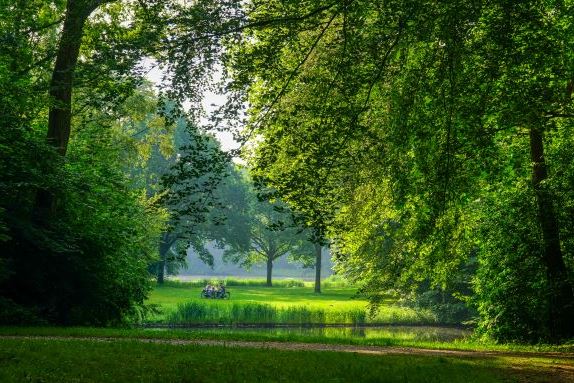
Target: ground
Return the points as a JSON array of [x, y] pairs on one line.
[[68, 359], [389, 354]]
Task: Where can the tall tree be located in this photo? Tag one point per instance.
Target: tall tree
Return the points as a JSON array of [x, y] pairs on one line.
[[402, 110], [189, 188], [256, 230]]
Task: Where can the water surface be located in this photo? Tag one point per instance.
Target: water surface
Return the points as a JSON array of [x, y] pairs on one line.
[[413, 333]]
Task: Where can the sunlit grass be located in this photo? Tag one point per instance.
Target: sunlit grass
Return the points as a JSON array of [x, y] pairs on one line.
[[193, 313], [182, 304]]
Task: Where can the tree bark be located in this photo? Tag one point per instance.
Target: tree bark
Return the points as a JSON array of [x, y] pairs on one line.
[[160, 272], [318, 268], [561, 299], [61, 85], [269, 271], [164, 246]]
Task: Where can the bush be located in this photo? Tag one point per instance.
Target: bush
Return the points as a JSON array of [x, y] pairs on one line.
[[510, 285], [86, 262]]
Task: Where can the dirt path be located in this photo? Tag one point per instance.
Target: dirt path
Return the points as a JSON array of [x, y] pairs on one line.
[[528, 367], [300, 346]]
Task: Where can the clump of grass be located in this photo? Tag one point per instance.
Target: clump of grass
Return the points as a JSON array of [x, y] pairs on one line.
[[259, 282], [192, 313], [403, 315], [335, 281]]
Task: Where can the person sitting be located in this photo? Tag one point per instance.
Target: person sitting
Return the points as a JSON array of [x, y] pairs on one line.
[[221, 291], [208, 290]]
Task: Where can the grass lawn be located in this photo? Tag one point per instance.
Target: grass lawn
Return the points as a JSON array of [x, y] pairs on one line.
[[337, 305], [338, 298], [49, 360]]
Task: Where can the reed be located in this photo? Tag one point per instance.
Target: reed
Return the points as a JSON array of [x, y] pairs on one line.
[[193, 313]]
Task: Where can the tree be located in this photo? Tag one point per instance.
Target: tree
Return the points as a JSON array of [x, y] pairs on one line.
[[70, 217], [257, 231], [405, 111], [189, 190]]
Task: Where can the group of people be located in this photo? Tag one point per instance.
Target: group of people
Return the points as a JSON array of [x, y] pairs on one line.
[[211, 291]]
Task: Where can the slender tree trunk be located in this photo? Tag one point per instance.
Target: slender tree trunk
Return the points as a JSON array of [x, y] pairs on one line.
[[561, 315], [318, 268], [269, 271], [164, 246], [161, 272]]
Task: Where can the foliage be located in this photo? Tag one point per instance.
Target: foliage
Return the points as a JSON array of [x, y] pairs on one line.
[[255, 230], [88, 263], [186, 183], [405, 125]]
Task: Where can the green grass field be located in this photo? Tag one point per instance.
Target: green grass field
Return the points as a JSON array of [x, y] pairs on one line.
[[69, 360], [80, 354], [129, 355], [181, 303]]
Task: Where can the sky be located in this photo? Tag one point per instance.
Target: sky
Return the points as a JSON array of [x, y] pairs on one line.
[[155, 75]]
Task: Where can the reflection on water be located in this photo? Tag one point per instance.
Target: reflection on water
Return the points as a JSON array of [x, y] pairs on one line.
[[414, 333]]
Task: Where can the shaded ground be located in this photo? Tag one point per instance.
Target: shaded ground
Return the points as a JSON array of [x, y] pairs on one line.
[[518, 367]]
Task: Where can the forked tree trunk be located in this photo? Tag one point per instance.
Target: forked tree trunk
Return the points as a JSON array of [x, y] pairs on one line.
[[561, 300], [269, 271], [318, 268]]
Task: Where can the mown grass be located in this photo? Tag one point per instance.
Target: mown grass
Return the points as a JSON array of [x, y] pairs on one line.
[[50, 360], [180, 303]]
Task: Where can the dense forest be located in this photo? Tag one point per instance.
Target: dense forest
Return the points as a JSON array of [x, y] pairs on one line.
[[429, 145]]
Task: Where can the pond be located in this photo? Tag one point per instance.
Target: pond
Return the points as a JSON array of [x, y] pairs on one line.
[[404, 333]]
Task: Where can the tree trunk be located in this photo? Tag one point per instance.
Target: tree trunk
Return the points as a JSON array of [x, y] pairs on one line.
[[61, 85], [160, 271], [561, 300], [318, 268], [164, 246], [269, 271], [60, 114]]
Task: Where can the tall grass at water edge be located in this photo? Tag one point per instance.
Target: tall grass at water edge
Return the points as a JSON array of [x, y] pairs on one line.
[[193, 313], [225, 313]]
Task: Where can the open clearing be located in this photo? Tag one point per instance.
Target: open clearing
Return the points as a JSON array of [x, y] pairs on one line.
[[280, 304]]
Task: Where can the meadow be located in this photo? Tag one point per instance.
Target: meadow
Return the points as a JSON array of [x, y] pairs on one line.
[[156, 353], [289, 302]]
